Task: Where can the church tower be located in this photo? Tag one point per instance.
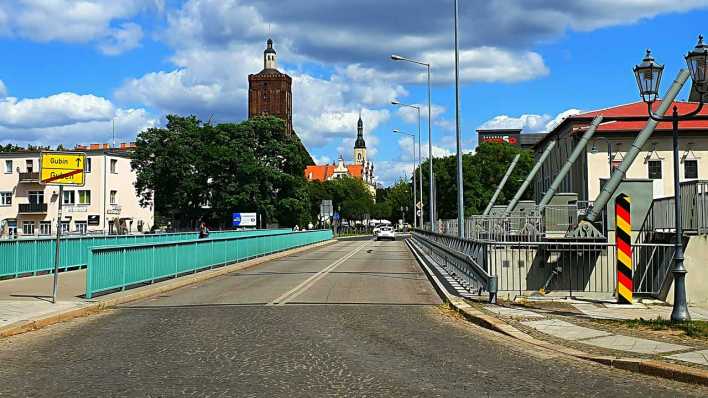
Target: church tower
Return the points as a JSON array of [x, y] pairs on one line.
[[270, 91], [360, 144]]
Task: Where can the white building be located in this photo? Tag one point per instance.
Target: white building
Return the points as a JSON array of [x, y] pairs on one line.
[[615, 136], [106, 204]]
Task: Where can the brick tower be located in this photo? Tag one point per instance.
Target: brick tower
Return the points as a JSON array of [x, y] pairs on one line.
[[270, 91]]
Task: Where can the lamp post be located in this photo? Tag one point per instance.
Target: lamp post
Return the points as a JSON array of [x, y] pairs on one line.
[[594, 149], [648, 75], [415, 200], [431, 208], [420, 160], [458, 135]]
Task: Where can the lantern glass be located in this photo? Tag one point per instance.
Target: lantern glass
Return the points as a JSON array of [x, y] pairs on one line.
[[648, 75], [697, 61]]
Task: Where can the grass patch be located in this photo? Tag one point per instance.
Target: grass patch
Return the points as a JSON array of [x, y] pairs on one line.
[[696, 329]]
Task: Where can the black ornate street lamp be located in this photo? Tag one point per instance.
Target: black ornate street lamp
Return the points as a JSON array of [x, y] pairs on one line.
[[648, 75]]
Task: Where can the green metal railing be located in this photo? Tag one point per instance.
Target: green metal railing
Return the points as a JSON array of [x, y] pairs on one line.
[[118, 267], [28, 257]]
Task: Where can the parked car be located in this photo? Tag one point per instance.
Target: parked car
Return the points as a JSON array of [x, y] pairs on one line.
[[385, 232]]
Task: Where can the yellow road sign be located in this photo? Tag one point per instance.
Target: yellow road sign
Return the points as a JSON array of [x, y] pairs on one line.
[[62, 168]]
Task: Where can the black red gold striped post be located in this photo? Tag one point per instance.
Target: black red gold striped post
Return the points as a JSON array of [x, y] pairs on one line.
[[623, 239]]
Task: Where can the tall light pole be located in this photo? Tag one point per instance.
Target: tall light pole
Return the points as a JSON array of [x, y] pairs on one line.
[[460, 193], [648, 75], [415, 200], [420, 160], [431, 209]]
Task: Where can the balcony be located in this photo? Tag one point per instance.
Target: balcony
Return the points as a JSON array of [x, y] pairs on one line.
[[29, 177], [33, 208]]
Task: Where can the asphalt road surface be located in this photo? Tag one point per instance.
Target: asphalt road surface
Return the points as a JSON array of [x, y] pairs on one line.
[[357, 318]]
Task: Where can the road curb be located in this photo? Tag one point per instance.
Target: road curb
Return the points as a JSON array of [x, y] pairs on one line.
[[649, 367], [152, 290]]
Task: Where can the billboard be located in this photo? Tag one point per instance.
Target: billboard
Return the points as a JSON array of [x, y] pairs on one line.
[[500, 136], [244, 219]]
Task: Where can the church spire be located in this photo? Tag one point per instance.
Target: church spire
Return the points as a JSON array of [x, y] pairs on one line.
[[269, 56], [360, 144]]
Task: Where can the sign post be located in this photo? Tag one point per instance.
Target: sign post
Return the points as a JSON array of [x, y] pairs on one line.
[[61, 168]]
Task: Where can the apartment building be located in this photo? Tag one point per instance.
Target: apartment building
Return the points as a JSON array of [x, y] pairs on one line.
[[107, 204]]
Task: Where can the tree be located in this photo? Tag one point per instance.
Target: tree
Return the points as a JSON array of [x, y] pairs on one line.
[[482, 172], [193, 171]]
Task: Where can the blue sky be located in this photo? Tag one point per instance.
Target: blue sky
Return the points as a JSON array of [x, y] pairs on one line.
[[72, 67]]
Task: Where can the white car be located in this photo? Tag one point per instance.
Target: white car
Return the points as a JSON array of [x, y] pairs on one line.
[[385, 232]]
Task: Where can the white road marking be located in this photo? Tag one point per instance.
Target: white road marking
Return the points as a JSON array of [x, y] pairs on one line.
[[309, 282]]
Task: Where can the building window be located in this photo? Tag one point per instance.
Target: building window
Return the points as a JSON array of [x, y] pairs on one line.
[[65, 227], [87, 165], [45, 228], [8, 167], [69, 198], [29, 164], [36, 197], [81, 227], [690, 169], [28, 228], [5, 198], [114, 197], [654, 169], [114, 165], [84, 197]]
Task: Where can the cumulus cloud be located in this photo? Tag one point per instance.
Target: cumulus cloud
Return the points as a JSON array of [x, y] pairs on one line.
[[86, 21], [3, 90], [68, 118], [56, 110], [528, 123], [122, 39], [494, 33]]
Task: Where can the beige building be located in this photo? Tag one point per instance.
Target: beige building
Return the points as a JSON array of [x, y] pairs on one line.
[[615, 135], [106, 204]]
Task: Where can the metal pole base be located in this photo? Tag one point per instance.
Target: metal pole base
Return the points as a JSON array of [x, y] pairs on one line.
[[680, 311]]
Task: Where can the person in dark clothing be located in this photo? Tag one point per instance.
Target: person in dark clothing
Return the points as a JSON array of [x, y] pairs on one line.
[[203, 231]]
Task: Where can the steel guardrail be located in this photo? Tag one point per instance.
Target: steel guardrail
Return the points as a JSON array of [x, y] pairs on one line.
[[31, 256], [119, 267], [459, 264]]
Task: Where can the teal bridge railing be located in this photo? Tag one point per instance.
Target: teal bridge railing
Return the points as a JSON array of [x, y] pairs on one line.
[[118, 267], [31, 256]]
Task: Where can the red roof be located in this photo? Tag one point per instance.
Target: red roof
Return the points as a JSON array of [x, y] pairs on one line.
[[355, 170], [319, 173], [325, 171], [633, 117]]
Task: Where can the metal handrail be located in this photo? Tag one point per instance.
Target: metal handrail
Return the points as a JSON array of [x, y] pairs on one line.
[[474, 276]]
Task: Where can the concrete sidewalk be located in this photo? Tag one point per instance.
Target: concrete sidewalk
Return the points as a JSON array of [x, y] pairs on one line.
[[24, 299], [574, 329]]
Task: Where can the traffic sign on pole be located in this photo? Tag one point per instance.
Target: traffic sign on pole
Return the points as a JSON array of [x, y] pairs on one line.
[[62, 168], [419, 205]]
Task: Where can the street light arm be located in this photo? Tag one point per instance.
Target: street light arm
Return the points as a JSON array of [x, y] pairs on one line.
[[693, 114], [399, 58]]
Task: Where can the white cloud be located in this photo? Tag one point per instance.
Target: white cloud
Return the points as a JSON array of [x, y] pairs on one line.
[[528, 123], [68, 118], [388, 172], [3, 90], [56, 110], [86, 21], [122, 39]]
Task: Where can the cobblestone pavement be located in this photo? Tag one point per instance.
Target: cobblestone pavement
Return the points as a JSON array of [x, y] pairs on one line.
[[371, 326]]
